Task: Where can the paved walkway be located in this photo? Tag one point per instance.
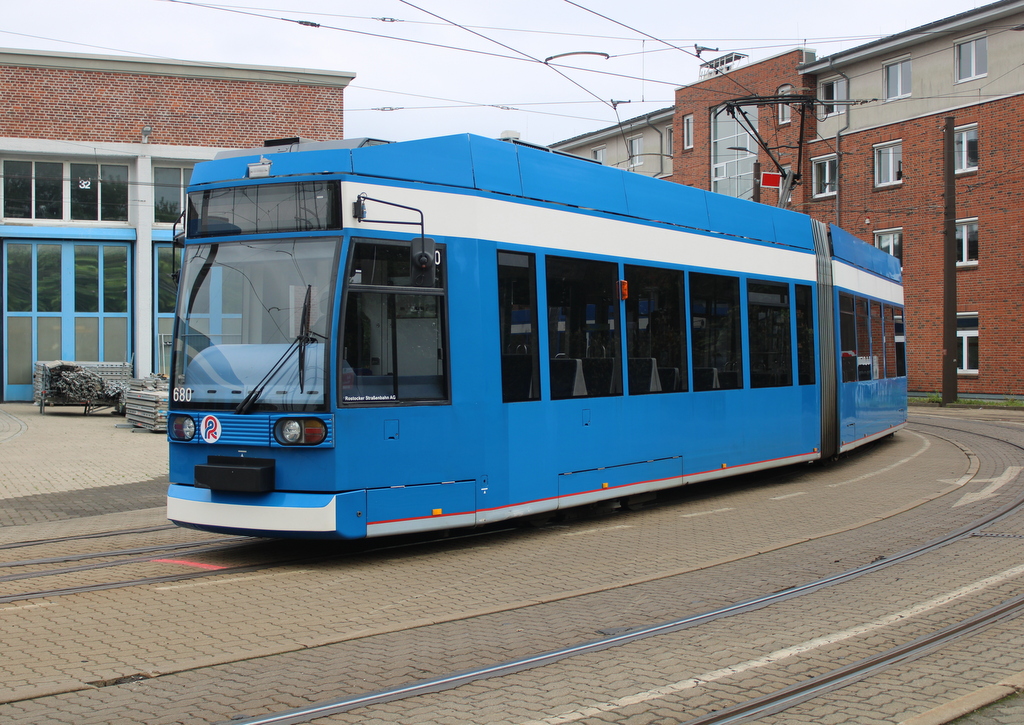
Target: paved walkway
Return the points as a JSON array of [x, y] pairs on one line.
[[63, 464], [65, 470]]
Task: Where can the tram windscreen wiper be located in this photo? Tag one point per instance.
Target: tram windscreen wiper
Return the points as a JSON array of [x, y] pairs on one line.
[[300, 343]]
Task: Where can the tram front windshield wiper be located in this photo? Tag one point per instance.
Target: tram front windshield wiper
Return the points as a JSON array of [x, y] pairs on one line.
[[305, 338]]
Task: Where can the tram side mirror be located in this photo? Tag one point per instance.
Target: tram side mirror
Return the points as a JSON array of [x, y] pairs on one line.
[[422, 262]]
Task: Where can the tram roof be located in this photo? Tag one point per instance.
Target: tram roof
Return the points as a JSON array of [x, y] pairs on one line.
[[471, 162]]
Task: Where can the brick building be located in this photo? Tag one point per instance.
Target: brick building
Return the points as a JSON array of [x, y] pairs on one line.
[[871, 161], [95, 152]]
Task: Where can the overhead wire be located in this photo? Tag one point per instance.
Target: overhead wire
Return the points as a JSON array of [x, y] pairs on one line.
[[508, 47]]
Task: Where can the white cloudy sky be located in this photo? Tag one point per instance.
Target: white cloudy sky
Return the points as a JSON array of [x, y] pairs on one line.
[[477, 65]]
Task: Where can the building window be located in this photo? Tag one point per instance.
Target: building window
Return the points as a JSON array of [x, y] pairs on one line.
[[824, 175], [967, 242], [785, 111], [971, 59], [33, 190], [688, 131], [598, 154], [670, 138], [891, 241], [965, 148], [829, 91], [732, 161], [967, 337], [635, 150], [897, 80], [889, 164], [169, 186], [39, 190]]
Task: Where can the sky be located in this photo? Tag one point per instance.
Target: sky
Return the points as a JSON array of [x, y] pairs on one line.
[[434, 67]]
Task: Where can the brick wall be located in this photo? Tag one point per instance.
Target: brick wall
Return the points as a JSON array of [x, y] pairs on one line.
[[994, 194], [693, 166], [98, 106]]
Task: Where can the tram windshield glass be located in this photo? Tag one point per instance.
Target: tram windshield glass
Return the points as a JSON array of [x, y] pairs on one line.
[[253, 325]]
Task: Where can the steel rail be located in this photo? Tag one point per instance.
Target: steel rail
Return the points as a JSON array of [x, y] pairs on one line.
[[79, 537], [800, 692], [105, 554], [446, 682]]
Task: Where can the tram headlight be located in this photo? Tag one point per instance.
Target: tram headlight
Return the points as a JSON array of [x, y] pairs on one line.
[[181, 427], [300, 431]]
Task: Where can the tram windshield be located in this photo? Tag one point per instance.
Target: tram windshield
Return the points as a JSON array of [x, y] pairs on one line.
[[253, 325]]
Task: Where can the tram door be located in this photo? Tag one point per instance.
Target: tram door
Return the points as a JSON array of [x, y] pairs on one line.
[[63, 300]]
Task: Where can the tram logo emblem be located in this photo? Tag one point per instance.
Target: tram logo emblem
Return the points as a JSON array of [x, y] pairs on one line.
[[210, 429]]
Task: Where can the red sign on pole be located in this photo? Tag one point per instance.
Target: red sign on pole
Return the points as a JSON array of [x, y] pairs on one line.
[[771, 180]]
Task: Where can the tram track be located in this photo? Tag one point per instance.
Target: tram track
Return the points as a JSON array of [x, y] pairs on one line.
[[741, 712], [462, 676], [82, 537]]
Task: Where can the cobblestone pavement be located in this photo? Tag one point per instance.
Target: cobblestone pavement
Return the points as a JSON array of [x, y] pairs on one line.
[[288, 635], [63, 464]]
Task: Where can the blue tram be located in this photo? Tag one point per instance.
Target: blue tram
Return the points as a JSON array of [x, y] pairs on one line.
[[388, 338]]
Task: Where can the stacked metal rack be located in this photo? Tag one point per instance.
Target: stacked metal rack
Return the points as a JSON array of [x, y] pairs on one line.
[[94, 385], [146, 403]]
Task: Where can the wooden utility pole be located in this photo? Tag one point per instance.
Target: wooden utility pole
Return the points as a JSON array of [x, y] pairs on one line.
[[950, 344]]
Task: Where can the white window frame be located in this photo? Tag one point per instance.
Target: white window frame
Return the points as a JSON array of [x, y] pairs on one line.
[[598, 154], [785, 114], [831, 180], [839, 92], [898, 66], [961, 138], [688, 131], [635, 157], [972, 45], [67, 182], [890, 241], [184, 174], [886, 161], [670, 140], [963, 338], [963, 241]]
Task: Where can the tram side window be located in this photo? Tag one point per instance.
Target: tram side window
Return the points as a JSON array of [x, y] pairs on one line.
[[863, 339], [877, 342], [805, 335], [715, 332], [899, 335], [771, 358], [889, 334], [848, 337], [517, 319], [394, 341], [583, 328], [655, 336]]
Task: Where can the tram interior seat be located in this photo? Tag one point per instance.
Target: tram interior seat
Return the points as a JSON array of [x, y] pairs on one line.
[[644, 375], [517, 381], [671, 379], [705, 379], [567, 379], [602, 375]]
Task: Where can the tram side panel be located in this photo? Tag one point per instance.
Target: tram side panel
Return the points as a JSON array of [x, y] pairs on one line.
[[871, 371]]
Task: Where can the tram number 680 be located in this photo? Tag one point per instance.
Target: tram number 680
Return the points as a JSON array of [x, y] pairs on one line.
[[182, 395]]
